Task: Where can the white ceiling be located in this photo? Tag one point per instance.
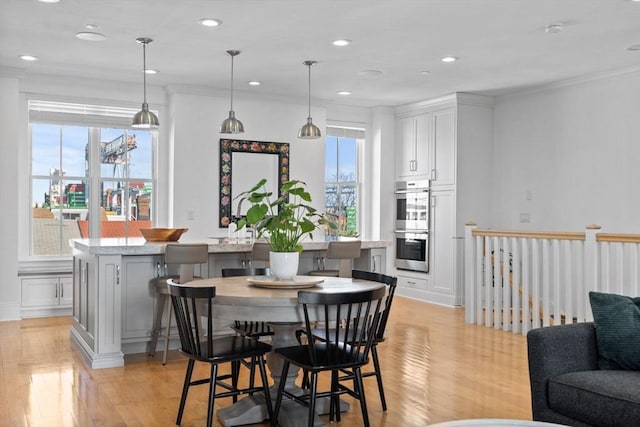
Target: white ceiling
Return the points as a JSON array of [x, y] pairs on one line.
[[502, 44]]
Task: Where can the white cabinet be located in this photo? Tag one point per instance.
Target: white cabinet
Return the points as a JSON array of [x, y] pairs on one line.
[[443, 166], [374, 259], [96, 327], [410, 281], [427, 146], [443, 247], [138, 297], [46, 296], [459, 150], [413, 151]]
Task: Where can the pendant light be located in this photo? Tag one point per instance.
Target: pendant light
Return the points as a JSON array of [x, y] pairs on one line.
[[144, 119], [231, 124], [309, 130]]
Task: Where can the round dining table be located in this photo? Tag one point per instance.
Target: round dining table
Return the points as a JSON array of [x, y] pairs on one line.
[[262, 298]]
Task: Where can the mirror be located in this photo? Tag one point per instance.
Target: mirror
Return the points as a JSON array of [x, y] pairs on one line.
[[252, 161]]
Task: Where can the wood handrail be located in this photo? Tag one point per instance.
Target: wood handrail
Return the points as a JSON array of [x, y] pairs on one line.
[[558, 235], [619, 238]]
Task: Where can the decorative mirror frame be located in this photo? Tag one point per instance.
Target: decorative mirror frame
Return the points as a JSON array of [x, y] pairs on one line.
[[230, 146]]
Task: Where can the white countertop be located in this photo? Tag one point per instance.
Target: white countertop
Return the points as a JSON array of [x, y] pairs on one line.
[[139, 246]]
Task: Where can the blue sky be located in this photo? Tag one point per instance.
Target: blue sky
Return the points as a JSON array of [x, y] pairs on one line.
[[342, 163], [46, 154]]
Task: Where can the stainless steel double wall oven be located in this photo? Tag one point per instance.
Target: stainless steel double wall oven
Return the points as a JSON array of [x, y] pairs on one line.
[[413, 202]]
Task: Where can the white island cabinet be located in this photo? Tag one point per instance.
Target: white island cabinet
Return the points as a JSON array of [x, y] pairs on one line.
[[113, 303]]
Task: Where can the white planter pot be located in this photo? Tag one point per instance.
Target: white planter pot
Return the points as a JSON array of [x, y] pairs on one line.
[[284, 265]]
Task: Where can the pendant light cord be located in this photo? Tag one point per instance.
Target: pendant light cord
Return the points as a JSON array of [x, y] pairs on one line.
[[231, 81], [144, 70], [309, 90]]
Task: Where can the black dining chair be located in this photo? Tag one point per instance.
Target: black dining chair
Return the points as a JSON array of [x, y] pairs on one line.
[[193, 307], [246, 328], [320, 333], [360, 312]]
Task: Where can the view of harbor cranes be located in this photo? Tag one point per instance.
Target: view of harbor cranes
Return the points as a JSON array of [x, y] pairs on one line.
[[62, 165]]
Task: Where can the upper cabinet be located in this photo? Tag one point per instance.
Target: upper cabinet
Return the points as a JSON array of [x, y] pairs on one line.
[[443, 137], [426, 146], [413, 154]]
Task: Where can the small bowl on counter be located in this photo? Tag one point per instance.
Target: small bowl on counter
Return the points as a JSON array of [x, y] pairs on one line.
[[162, 234]]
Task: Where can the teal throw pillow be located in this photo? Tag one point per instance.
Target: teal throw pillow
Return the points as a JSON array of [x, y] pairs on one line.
[[617, 322]]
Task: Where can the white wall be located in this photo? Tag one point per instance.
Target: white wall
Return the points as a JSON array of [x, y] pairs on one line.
[[196, 120], [575, 151], [9, 142]]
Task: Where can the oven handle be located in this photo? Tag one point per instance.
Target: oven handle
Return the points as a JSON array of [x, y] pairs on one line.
[[413, 191], [425, 232]]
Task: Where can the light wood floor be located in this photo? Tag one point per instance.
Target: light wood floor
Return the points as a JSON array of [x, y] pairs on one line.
[[436, 368]]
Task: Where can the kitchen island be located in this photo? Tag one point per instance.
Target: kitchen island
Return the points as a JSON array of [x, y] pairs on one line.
[[113, 303]]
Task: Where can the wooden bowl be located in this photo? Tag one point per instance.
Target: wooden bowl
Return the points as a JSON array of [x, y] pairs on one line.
[[162, 234]]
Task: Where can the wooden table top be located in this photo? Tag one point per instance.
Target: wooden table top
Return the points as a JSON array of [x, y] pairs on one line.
[[236, 298]]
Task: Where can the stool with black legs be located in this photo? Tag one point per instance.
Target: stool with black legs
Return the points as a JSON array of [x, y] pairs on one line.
[[345, 251], [187, 256]]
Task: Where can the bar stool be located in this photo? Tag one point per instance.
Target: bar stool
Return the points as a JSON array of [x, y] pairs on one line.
[[260, 252], [345, 252], [187, 255]]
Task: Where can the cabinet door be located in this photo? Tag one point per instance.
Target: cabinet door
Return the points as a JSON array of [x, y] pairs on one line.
[[40, 292], [373, 259], [444, 147], [406, 151], [218, 261], [412, 282], [414, 153], [423, 151], [443, 242], [65, 291], [138, 297]]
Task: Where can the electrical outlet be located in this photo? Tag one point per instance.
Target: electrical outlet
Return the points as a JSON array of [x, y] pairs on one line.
[[524, 217], [191, 214]]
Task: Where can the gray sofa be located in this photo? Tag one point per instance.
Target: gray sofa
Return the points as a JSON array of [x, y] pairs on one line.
[[567, 387]]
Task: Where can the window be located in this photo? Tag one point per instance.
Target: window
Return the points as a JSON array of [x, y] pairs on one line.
[[86, 165], [342, 187]]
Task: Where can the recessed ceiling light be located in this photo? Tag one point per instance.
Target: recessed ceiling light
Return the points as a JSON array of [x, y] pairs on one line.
[[449, 59], [254, 83], [210, 22], [48, 1], [90, 36], [341, 42], [28, 57], [344, 93], [425, 72], [553, 28], [151, 71], [635, 46], [370, 73], [91, 26]]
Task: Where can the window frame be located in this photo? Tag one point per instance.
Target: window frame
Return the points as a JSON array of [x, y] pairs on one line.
[[359, 135], [120, 119]]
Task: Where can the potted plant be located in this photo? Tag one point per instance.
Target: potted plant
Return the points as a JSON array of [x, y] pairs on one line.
[[283, 222]]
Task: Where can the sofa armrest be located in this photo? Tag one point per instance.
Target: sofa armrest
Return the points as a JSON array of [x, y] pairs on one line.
[[557, 350]]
